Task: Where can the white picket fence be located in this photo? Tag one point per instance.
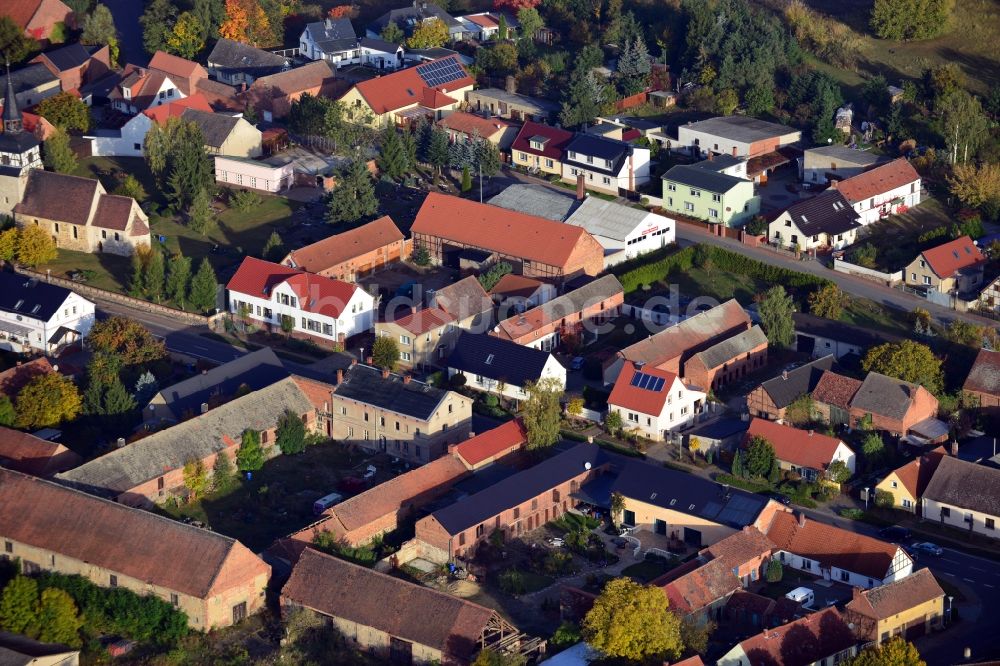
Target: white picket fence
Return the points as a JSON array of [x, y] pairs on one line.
[[890, 279]]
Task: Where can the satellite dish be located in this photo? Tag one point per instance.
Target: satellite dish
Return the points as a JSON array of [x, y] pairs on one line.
[[586, 465]]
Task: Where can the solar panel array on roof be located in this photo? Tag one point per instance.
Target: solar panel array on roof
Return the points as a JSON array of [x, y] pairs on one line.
[[739, 511], [648, 382], [439, 72]]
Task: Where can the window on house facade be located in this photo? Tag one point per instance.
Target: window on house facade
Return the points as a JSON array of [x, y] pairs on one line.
[[688, 206], [480, 530], [461, 539], [716, 197], [8, 547], [174, 600], [990, 524], [404, 339], [945, 512], [113, 580]]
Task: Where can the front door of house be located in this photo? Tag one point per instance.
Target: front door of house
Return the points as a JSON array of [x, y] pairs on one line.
[[660, 526], [628, 517]]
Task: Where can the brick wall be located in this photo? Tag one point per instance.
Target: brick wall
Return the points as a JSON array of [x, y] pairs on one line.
[[715, 378]]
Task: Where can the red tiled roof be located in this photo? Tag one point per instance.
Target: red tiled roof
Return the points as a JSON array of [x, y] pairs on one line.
[[396, 494], [947, 259], [32, 455], [984, 377], [58, 196], [802, 448], [832, 546], [637, 399], [483, 20], [557, 140], [139, 228], [113, 212], [423, 320], [801, 642], [414, 613], [703, 586], [313, 75], [406, 88], [139, 544], [700, 331], [508, 232], [21, 11], [836, 390], [160, 114], [317, 294], [740, 548], [878, 181], [916, 474], [492, 443], [886, 601], [511, 285], [469, 123], [340, 248], [13, 379], [175, 65]]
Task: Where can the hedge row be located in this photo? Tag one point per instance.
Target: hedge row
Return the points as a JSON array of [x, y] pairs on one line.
[[120, 611], [743, 484], [641, 271]]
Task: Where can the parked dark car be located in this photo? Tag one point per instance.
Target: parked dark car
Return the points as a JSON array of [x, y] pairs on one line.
[[895, 533]]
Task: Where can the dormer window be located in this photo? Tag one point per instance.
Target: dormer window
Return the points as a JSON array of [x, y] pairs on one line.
[[127, 93]]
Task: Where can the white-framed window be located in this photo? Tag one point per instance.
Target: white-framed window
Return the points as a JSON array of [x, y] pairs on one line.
[[671, 187], [716, 197], [404, 356], [404, 339], [713, 213], [688, 206], [927, 279]]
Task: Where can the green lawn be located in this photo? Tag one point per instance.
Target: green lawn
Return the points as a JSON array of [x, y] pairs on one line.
[[278, 501], [648, 570], [897, 236], [238, 234]]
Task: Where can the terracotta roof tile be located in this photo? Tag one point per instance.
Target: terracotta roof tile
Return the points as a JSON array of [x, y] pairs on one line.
[[700, 331], [511, 285], [836, 390], [31, 455], [802, 448], [878, 181], [801, 642], [641, 400], [432, 98], [951, 257], [20, 11], [340, 248], [424, 320], [397, 493], [126, 540], [175, 65], [160, 114], [56, 196], [13, 379], [540, 319], [493, 443], [468, 123], [553, 148], [317, 294], [113, 212], [703, 586], [832, 546], [340, 589], [406, 88], [916, 474], [885, 601], [740, 548], [483, 20], [463, 299], [984, 377]]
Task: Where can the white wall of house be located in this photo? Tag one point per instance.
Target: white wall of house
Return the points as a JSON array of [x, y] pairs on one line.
[[381, 59], [129, 144], [553, 368], [21, 332], [959, 518], [637, 164], [783, 231], [166, 93], [254, 175], [680, 410], [882, 205], [902, 566], [357, 316]]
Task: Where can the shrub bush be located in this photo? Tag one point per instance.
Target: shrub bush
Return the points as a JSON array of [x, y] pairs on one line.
[[852, 513], [641, 270]]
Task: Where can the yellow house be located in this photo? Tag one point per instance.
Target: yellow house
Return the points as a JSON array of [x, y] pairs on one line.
[[539, 148], [956, 266], [907, 483], [910, 607], [432, 89]]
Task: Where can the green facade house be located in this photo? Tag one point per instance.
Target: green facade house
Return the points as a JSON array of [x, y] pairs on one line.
[[709, 195]]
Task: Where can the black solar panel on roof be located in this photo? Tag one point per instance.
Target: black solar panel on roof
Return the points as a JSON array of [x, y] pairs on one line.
[[440, 72], [739, 511], [648, 382]]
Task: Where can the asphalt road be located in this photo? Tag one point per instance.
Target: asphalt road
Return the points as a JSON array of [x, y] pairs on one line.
[[979, 580], [887, 296]]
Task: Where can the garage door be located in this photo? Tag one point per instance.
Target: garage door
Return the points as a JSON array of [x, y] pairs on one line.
[[915, 629]]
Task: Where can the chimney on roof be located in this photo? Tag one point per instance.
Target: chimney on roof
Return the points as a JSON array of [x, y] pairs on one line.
[[581, 190], [354, 362], [954, 449], [370, 360], [204, 407], [711, 156], [18, 364], [855, 593], [385, 373], [802, 519], [833, 184], [510, 85], [407, 378], [340, 376], [784, 374], [810, 432], [120, 443]]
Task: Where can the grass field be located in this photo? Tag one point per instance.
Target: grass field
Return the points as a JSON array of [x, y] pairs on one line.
[[237, 234], [972, 43], [896, 237]]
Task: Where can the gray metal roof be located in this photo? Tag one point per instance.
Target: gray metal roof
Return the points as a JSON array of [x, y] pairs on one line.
[[215, 127], [243, 57], [718, 163], [333, 35], [848, 155], [741, 128], [500, 95], [197, 438], [610, 219], [537, 200], [729, 349], [704, 179]]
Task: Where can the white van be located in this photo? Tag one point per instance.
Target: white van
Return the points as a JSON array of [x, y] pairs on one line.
[[324, 503], [802, 595]]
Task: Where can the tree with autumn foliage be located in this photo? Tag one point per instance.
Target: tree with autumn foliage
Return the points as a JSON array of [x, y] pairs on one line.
[[342, 11], [428, 35], [514, 6], [187, 38], [246, 22]]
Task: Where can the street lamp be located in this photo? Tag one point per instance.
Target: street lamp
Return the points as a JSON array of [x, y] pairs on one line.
[[866, 498], [950, 598]]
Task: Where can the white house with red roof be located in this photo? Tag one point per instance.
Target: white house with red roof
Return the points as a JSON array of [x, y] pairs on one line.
[[318, 307], [653, 402], [883, 191], [955, 267], [540, 148], [804, 452]]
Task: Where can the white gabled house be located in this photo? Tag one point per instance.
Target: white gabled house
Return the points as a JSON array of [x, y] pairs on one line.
[[823, 221], [335, 41], [317, 307], [653, 401], [493, 365], [885, 190], [606, 165], [40, 317]]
